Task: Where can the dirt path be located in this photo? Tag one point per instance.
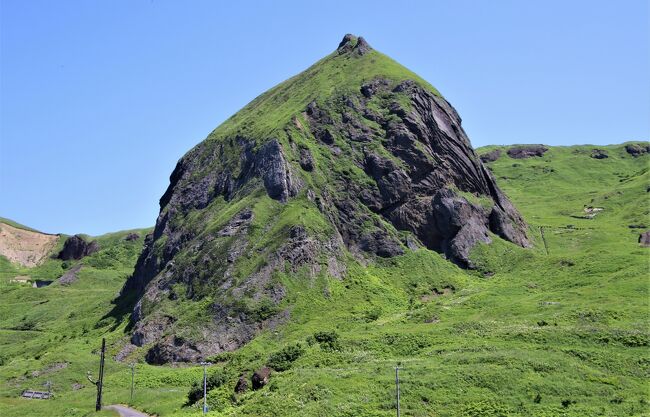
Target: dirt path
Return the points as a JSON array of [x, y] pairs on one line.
[[126, 411]]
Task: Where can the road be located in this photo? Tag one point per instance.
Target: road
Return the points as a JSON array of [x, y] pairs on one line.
[[126, 411]]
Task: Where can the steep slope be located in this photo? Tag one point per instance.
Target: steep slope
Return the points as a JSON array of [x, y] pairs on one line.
[[558, 329], [24, 246], [353, 159]]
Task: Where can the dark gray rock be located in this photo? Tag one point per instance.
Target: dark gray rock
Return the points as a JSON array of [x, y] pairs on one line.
[[353, 44], [278, 179], [70, 276], [371, 88], [491, 156], [526, 151], [599, 154], [76, 247], [132, 237], [172, 349], [637, 149], [261, 377], [644, 238], [151, 330], [242, 384], [306, 160], [380, 244], [393, 182]]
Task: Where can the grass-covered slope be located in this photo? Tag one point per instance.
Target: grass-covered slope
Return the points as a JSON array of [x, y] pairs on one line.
[[559, 329], [50, 333]]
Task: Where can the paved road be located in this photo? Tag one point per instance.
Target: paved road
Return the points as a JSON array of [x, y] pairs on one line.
[[126, 411]]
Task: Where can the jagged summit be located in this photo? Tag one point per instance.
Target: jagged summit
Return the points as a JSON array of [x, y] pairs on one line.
[[354, 159], [351, 43]]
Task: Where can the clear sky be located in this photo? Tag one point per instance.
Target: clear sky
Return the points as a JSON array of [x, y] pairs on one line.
[[99, 99]]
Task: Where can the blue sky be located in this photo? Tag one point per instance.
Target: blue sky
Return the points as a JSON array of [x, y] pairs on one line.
[[99, 99]]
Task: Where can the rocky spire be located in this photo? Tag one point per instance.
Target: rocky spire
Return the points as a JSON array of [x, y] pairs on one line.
[[351, 43]]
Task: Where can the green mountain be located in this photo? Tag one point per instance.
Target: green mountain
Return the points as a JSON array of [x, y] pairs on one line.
[[352, 161], [338, 226]]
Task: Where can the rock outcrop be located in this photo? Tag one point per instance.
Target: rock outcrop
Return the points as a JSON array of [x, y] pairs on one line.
[[599, 154], [360, 172], [637, 149], [132, 237], [644, 238], [70, 276], [76, 247], [526, 151], [491, 156]]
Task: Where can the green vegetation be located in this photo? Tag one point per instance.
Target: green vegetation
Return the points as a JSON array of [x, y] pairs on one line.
[[557, 329]]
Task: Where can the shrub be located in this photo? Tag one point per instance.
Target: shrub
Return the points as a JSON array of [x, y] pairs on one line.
[[214, 380], [485, 408], [372, 314], [282, 360], [328, 340]]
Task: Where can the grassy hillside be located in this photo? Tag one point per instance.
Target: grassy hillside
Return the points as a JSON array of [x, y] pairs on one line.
[[48, 334], [558, 329]]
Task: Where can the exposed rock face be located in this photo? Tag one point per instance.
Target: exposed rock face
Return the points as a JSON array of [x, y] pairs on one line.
[[70, 276], [599, 154], [370, 172], [644, 238], [25, 247], [429, 160], [491, 156], [76, 247], [306, 160], [526, 151], [353, 44], [637, 149], [172, 349]]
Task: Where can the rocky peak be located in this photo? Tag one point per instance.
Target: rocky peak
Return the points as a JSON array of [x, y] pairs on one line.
[[351, 43], [340, 164]]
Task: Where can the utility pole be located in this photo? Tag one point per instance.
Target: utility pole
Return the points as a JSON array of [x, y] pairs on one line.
[[205, 386], [100, 382], [397, 388], [48, 384], [132, 366]]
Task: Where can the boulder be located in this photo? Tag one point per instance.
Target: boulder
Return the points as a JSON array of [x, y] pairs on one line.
[[242, 384], [131, 237], [526, 151], [76, 247], [306, 160], [637, 149], [644, 239], [599, 154], [491, 156], [261, 377]]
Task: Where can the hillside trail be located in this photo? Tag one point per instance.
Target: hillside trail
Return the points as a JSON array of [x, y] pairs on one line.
[[126, 411]]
